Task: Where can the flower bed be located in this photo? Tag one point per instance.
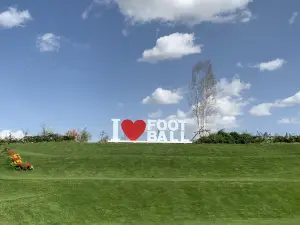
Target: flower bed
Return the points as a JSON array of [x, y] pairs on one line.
[[17, 162]]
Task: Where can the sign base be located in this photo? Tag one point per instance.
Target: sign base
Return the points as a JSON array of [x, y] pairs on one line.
[[151, 142]]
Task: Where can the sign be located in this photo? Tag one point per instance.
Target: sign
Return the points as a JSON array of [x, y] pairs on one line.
[[163, 130]]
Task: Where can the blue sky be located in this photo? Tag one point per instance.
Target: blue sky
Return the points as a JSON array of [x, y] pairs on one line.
[[79, 65]]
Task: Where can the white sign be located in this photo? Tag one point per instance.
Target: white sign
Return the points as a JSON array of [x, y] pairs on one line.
[[158, 131]]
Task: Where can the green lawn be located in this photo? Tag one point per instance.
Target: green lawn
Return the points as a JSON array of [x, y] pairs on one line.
[[158, 184]]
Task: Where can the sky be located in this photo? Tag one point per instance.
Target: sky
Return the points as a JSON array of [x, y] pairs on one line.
[[80, 65]]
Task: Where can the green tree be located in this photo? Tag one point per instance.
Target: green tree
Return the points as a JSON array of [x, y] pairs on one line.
[[84, 136]]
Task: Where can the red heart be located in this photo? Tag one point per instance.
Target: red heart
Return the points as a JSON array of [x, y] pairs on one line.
[[133, 130]]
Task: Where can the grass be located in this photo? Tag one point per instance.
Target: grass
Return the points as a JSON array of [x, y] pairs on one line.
[[144, 184]]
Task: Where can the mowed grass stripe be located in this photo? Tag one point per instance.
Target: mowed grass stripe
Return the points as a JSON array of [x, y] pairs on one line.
[[143, 179], [161, 149], [104, 201], [159, 156], [162, 167]]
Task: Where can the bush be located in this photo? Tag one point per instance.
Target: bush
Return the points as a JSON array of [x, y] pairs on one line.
[[103, 138], [222, 137], [38, 138], [72, 134], [84, 136], [45, 136]]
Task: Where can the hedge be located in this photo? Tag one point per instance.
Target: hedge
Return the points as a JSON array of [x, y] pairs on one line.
[[38, 138], [222, 137]]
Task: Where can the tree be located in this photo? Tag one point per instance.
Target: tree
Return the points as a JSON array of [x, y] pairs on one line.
[[46, 130], [84, 136], [202, 96], [25, 132]]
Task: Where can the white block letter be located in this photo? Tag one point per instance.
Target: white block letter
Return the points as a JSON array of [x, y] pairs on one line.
[[151, 136], [182, 139], [172, 139], [173, 128], [182, 122], [115, 136], [159, 127], [162, 137], [150, 124]]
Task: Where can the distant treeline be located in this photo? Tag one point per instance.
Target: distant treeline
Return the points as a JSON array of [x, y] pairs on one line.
[[221, 137]]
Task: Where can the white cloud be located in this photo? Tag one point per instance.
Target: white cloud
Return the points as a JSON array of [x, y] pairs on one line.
[[156, 114], [91, 6], [246, 16], [226, 108], [48, 42], [184, 11], [288, 121], [239, 64], [6, 133], [179, 115], [14, 18], [288, 102], [164, 97], [174, 46], [87, 10], [293, 18], [229, 99], [271, 65], [232, 88], [264, 109], [230, 105]]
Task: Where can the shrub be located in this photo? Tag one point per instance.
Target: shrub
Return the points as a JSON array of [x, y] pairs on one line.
[[72, 134], [227, 138], [84, 136], [48, 138], [103, 138], [46, 135], [35, 139], [222, 137]]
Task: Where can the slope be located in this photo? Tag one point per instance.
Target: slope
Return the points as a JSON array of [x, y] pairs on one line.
[[152, 184]]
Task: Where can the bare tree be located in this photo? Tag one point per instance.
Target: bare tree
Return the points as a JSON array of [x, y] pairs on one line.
[[202, 96], [46, 130], [25, 132]]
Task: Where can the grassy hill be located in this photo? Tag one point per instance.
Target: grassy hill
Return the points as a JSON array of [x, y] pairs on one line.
[[143, 184]]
